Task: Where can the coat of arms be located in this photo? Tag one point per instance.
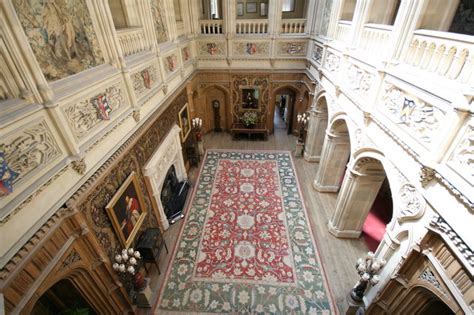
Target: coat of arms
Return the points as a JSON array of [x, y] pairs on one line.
[[7, 176], [212, 48], [406, 110], [102, 104], [146, 78], [251, 48]]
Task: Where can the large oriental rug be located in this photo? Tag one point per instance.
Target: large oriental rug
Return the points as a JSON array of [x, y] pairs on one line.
[[246, 245]]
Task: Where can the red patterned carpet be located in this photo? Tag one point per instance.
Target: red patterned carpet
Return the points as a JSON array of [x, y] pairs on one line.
[[246, 245]]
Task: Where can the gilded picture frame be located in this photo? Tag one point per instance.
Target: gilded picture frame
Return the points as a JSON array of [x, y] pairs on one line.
[[184, 122], [250, 97], [127, 210]]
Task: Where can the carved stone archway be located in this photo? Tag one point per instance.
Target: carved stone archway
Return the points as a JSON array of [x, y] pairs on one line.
[[168, 153], [359, 189], [334, 156]]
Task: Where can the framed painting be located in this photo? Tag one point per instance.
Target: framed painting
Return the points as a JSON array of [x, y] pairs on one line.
[[184, 122], [250, 97], [251, 7], [127, 210], [240, 9]]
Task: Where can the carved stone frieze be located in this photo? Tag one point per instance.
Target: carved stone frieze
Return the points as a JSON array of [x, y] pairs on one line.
[[411, 112], [256, 48], [359, 80], [412, 204], [462, 158], [87, 114], [61, 36], [157, 11], [333, 62], [29, 149], [144, 79]]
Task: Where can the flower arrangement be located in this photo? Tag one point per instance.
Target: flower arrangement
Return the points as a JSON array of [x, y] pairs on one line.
[[249, 118]]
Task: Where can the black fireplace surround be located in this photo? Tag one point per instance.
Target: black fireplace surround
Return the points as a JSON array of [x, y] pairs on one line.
[[173, 196]]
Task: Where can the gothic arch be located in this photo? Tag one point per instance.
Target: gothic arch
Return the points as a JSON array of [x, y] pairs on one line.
[[292, 105]]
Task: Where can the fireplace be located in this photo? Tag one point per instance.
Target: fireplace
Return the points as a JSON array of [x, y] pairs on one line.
[[173, 195], [165, 173]]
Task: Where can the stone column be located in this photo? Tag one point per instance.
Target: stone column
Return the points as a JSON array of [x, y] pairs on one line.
[[408, 16], [357, 194], [316, 133], [361, 13], [334, 156]]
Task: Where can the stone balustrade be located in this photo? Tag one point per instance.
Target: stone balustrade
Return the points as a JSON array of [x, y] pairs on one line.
[[251, 26], [448, 55], [375, 38], [132, 40], [211, 27], [342, 30], [293, 26]]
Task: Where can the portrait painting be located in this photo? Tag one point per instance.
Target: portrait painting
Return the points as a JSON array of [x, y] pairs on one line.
[[184, 122], [127, 210], [250, 98]]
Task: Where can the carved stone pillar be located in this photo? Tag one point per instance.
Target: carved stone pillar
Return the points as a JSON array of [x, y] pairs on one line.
[[316, 133], [334, 156], [357, 194]]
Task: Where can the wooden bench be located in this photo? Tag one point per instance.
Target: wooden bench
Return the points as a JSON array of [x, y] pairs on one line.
[[258, 129]]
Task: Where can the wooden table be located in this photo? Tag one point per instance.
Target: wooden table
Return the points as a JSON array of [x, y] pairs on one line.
[[258, 129]]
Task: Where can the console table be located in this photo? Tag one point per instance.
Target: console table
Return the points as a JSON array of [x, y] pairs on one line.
[[258, 129]]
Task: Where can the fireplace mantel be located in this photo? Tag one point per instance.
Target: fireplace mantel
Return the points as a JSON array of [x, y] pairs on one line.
[[168, 153]]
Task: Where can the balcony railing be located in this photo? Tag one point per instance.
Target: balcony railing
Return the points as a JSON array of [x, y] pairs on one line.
[[374, 39], [342, 30], [293, 26], [132, 40], [448, 55], [211, 27], [251, 27]]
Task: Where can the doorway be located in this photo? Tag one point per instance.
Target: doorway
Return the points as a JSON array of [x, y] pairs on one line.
[[284, 110], [379, 216], [63, 298]]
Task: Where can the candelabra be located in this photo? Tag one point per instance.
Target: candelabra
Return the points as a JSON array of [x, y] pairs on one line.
[[366, 268], [302, 120], [126, 265], [197, 125]]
